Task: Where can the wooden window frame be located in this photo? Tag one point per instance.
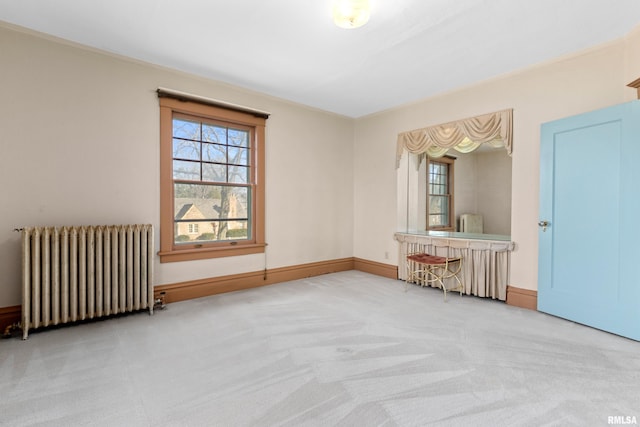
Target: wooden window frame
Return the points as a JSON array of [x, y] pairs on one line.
[[449, 160], [169, 250]]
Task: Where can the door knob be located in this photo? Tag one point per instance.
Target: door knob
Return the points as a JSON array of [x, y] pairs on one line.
[[543, 224]]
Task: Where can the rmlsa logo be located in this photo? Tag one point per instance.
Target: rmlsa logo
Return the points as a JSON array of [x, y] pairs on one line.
[[622, 420]]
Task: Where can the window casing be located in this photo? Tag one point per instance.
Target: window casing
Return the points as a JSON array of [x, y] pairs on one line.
[[440, 198], [212, 181]]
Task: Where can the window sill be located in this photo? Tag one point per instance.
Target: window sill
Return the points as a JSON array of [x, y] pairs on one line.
[[207, 253]]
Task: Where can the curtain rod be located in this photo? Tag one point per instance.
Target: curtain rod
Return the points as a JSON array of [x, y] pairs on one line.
[[183, 96]]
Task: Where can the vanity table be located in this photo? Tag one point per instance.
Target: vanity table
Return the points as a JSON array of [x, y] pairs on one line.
[[485, 258]]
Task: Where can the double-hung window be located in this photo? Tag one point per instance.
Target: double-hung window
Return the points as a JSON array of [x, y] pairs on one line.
[[440, 213], [212, 180]]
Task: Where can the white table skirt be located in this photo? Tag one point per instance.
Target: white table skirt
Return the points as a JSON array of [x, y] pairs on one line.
[[485, 263]]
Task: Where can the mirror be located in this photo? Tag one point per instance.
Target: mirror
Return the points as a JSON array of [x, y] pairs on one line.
[[481, 185]]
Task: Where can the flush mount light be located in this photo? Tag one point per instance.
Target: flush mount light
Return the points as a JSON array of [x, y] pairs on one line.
[[350, 13]]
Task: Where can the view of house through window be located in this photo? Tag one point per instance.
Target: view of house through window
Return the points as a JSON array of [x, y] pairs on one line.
[[440, 197], [211, 173]]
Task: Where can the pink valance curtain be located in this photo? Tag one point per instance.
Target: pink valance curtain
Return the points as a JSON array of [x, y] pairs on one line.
[[462, 135]]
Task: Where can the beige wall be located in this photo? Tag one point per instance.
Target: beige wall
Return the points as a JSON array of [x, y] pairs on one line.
[[594, 79], [79, 144], [494, 191], [465, 185], [632, 62]]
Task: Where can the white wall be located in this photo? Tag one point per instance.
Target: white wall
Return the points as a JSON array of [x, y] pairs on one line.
[[79, 144], [594, 79]]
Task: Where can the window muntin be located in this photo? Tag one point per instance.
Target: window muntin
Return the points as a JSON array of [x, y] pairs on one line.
[[212, 176]]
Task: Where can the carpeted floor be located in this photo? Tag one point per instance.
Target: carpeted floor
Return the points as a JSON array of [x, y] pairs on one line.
[[346, 349]]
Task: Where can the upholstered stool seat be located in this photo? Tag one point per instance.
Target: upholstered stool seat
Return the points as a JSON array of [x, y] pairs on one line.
[[424, 268]]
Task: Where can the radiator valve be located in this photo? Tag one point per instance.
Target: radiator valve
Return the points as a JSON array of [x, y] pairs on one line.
[[160, 302], [10, 329]]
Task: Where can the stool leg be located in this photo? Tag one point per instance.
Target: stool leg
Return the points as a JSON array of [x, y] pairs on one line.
[[407, 276], [444, 288], [454, 274], [459, 284]]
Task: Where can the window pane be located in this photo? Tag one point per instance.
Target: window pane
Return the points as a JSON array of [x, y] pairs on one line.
[[230, 230], [186, 129], [438, 221], [239, 174], [186, 170], [214, 173], [213, 133], [203, 196], [439, 211], [239, 156], [435, 205], [214, 153], [216, 212], [186, 149], [439, 205], [238, 137]]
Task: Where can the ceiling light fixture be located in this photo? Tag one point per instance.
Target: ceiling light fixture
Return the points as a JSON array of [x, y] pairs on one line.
[[350, 13]]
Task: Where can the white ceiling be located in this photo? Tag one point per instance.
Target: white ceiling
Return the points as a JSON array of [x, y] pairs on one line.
[[409, 50]]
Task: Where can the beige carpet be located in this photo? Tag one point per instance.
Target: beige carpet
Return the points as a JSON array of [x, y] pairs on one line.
[[347, 349]]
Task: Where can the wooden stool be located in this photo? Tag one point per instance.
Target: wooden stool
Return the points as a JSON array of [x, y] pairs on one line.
[[423, 268]]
